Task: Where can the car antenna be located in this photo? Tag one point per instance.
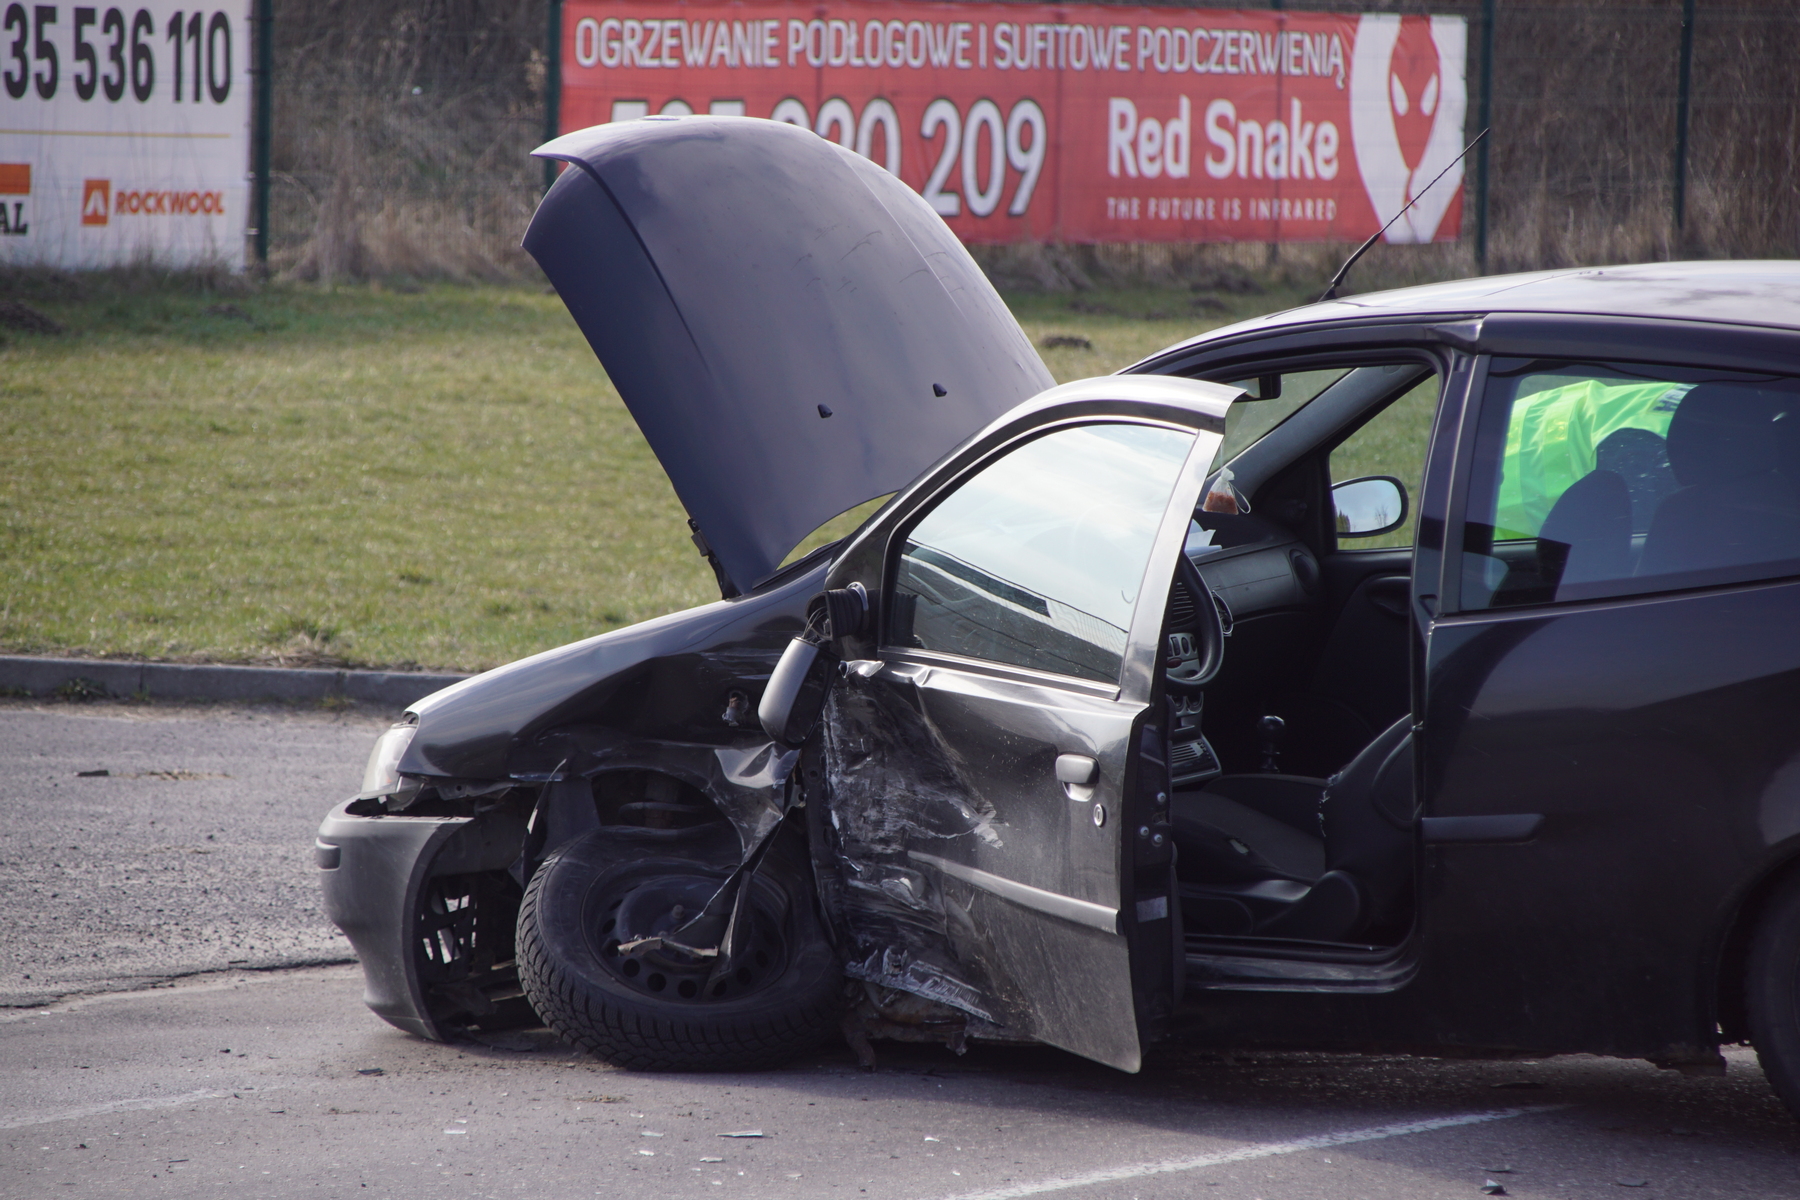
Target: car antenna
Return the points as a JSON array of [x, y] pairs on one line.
[[1332, 287]]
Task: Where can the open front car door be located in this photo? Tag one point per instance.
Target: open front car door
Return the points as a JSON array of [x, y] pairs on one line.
[[997, 784]]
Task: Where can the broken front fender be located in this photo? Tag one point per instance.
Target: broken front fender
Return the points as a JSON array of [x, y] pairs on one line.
[[667, 678]]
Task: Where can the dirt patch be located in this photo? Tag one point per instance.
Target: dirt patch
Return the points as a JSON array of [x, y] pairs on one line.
[[15, 314]]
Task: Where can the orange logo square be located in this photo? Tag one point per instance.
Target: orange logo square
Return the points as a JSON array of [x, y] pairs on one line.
[[96, 201], [15, 179]]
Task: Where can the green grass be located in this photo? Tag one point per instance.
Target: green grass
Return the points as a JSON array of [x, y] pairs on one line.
[[1393, 443], [441, 479]]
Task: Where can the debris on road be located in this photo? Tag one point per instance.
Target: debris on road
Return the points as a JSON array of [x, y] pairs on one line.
[[743, 1133]]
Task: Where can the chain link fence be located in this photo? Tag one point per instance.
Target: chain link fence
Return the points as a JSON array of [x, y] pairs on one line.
[[402, 133], [1585, 109]]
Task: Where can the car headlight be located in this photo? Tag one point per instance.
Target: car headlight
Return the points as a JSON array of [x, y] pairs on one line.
[[382, 776]]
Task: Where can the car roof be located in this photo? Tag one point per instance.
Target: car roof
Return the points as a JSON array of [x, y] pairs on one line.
[[1765, 293]]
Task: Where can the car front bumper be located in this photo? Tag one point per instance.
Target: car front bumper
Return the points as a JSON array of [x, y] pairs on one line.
[[374, 870]]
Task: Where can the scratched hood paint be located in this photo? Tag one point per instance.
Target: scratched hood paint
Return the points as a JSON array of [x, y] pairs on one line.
[[741, 279]]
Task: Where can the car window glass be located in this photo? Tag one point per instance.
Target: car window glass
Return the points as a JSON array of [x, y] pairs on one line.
[[1392, 443], [1248, 420], [1036, 561], [1595, 480]]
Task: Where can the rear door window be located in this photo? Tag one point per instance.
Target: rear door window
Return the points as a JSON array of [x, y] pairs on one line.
[[1603, 479]]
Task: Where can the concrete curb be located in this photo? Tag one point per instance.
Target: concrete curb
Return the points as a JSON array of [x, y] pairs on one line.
[[194, 681]]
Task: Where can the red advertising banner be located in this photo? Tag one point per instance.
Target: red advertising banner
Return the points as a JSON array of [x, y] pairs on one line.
[[1070, 123]]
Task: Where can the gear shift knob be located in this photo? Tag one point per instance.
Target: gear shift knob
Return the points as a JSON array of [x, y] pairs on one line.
[[1269, 729]]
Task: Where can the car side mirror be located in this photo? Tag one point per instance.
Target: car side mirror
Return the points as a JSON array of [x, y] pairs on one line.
[[796, 693], [1372, 505]]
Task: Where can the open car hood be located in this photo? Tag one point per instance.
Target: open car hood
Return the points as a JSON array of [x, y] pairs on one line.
[[794, 329]]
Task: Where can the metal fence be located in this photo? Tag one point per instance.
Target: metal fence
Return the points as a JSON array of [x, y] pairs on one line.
[[400, 133], [1636, 131]]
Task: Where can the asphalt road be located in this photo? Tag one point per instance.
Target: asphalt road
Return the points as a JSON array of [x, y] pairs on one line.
[[193, 852], [277, 1082]]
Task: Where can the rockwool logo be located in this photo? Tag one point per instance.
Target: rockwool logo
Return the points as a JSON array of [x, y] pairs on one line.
[[15, 180], [169, 203], [96, 201]]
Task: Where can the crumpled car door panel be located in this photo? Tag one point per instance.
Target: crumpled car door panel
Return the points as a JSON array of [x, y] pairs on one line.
[[969, 868], [953, 862], [945, 891]]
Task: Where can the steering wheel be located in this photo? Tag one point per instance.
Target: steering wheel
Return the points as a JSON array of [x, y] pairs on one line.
[[1187, 676]]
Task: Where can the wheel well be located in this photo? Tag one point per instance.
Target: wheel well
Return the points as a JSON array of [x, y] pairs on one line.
[[651, 799], [1734, 954]]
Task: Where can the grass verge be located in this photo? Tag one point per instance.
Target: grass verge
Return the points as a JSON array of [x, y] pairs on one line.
[[443, 477]]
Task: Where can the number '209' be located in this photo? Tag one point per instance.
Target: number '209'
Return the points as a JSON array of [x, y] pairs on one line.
[[124, 53]]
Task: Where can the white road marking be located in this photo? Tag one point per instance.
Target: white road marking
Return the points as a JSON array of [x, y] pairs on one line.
[[100, 1110], [1323, 1141]]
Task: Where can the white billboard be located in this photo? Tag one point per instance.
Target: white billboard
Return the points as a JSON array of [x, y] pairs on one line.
[[124, 134]]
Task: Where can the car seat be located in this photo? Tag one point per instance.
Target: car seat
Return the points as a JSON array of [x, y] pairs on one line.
[[1586, 537], [1734, 506], [1641, 459], [1294, 857]]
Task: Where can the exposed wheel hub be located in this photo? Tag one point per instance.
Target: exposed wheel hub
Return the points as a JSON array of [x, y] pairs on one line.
[[658, 907]]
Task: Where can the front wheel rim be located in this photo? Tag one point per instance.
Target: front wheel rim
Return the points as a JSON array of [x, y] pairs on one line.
[[639, 904]]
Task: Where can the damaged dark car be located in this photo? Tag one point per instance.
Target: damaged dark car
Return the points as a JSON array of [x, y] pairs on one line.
[[1418, 671]]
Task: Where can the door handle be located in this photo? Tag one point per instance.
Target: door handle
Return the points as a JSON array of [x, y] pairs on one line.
[[1389, 593], [1077, 769]]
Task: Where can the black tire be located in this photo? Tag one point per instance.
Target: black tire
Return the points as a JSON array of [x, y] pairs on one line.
[[661, 1011], [1772, 993]]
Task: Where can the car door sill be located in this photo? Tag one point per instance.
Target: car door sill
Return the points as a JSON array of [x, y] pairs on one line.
[[1227, 965]]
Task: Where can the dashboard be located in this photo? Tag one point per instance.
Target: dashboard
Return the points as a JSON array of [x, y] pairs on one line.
[[1269, 590]]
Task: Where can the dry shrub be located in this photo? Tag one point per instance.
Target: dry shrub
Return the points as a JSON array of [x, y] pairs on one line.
[[418, 237], [1582, 153], [403, 131], [1743, 196]]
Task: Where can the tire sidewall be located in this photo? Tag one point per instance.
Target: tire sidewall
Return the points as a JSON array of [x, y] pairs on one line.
[[1772, 993], [583, 999]]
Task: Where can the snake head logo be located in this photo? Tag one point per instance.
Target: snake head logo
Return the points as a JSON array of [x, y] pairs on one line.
[[1407, 103], [1414, 86]]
